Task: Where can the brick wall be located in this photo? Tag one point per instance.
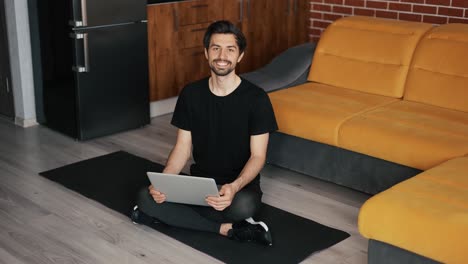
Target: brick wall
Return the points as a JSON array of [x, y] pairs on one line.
[[324, 12]]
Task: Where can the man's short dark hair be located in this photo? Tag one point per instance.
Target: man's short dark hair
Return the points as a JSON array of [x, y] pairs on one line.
[[225, 27]]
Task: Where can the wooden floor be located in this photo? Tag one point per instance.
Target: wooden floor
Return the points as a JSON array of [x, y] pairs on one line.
[[43, 222]]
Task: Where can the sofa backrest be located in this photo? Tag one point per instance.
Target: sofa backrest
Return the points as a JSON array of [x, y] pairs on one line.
[[367, 54], [439, 72]]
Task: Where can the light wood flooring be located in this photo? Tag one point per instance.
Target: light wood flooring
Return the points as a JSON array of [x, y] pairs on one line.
[[43, 222]]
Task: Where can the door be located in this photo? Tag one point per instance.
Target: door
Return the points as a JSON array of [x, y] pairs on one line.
[[6, 93], [111, 70], [89, 13]]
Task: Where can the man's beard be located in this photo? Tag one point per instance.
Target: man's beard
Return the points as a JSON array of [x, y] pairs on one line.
[[222, 72]]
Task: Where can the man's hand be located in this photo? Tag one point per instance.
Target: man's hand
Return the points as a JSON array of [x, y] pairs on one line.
[[227, 193], [158, 196]]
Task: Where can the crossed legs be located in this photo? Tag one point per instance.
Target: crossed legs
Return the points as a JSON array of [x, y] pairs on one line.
[[245, 204]]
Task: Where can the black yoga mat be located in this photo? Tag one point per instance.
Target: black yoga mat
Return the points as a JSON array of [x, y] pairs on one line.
[[114, 180]]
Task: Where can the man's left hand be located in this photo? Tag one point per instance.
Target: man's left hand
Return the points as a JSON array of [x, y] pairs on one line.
[[226, 195]]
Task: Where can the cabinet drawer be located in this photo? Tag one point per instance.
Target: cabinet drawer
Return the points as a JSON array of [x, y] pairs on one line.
[[192, 35], [192, 65], [203, 11]]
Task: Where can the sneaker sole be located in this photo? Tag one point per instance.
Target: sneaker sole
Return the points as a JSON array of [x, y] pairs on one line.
[[262, 224], [134, 209], [253, 222]]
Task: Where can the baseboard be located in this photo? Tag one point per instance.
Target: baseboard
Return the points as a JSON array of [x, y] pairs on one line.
[[163, 107], [25, 122]]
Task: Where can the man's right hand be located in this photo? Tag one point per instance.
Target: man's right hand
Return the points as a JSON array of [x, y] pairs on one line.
[[158, 196]]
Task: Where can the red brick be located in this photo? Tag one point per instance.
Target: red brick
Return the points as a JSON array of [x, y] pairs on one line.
[[354, 2], [458, 20], [317, 1], [320, 24], [316, 15], [378, 5], [438, 2], [318, 7], [331, 17], [460, 3], [424, 9], [399, 7], [434, 19], [413, 1], [336, 2], [466, 12], [447, 11], [386, 14], [342, 10], [410, 17], [364, 12]]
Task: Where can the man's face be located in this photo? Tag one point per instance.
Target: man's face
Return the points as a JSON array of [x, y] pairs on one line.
[[223, 54]]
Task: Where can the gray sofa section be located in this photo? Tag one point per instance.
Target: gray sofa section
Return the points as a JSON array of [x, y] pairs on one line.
[[347, 168], [383, 253], [288, 69]]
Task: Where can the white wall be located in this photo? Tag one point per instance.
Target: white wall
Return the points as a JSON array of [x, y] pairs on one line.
[[21, 61]]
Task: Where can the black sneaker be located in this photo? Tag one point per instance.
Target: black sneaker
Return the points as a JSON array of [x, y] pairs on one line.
[[249, 230], [138, 217]]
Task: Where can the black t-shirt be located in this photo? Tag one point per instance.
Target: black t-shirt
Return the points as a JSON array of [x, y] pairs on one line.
[[221, 127]]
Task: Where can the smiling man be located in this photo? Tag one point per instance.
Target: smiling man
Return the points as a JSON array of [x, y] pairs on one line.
[[224, 121]]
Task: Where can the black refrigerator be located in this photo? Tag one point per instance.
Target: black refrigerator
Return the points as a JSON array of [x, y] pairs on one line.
[[94, 66]]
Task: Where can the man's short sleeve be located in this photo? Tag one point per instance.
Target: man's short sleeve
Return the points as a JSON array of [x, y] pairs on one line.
[[262, 118], [181, 116]]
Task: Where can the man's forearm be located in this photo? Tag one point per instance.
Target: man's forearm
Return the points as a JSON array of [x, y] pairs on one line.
[[251, 169], [177, 160]]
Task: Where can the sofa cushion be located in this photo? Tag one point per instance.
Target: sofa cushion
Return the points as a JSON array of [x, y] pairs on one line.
[[315, 111], [439, 71], [409, 133], [427, 214], [367, 54]]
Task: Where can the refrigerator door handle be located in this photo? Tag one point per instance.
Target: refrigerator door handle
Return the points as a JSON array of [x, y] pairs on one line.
[[83, 12], [84, 37]]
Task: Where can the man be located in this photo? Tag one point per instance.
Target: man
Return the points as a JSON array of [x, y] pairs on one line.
[[226, 121]]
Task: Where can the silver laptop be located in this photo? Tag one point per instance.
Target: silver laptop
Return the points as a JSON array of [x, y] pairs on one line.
[[184, 189]]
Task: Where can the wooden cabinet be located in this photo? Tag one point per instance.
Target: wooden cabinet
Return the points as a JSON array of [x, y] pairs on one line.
[[162, 46], [265, 26], [176, 30], [298, 23], [272, 26], [175, 36]]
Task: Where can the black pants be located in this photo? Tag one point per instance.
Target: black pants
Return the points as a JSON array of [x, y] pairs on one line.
[[245, 204]]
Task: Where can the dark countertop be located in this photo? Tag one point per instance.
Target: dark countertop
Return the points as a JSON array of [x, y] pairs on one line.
[[162, 1]]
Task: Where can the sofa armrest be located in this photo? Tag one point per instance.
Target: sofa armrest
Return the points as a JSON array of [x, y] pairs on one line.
[[288, 69]]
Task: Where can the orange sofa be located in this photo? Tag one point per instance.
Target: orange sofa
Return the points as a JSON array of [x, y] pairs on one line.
[[394, 94]]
